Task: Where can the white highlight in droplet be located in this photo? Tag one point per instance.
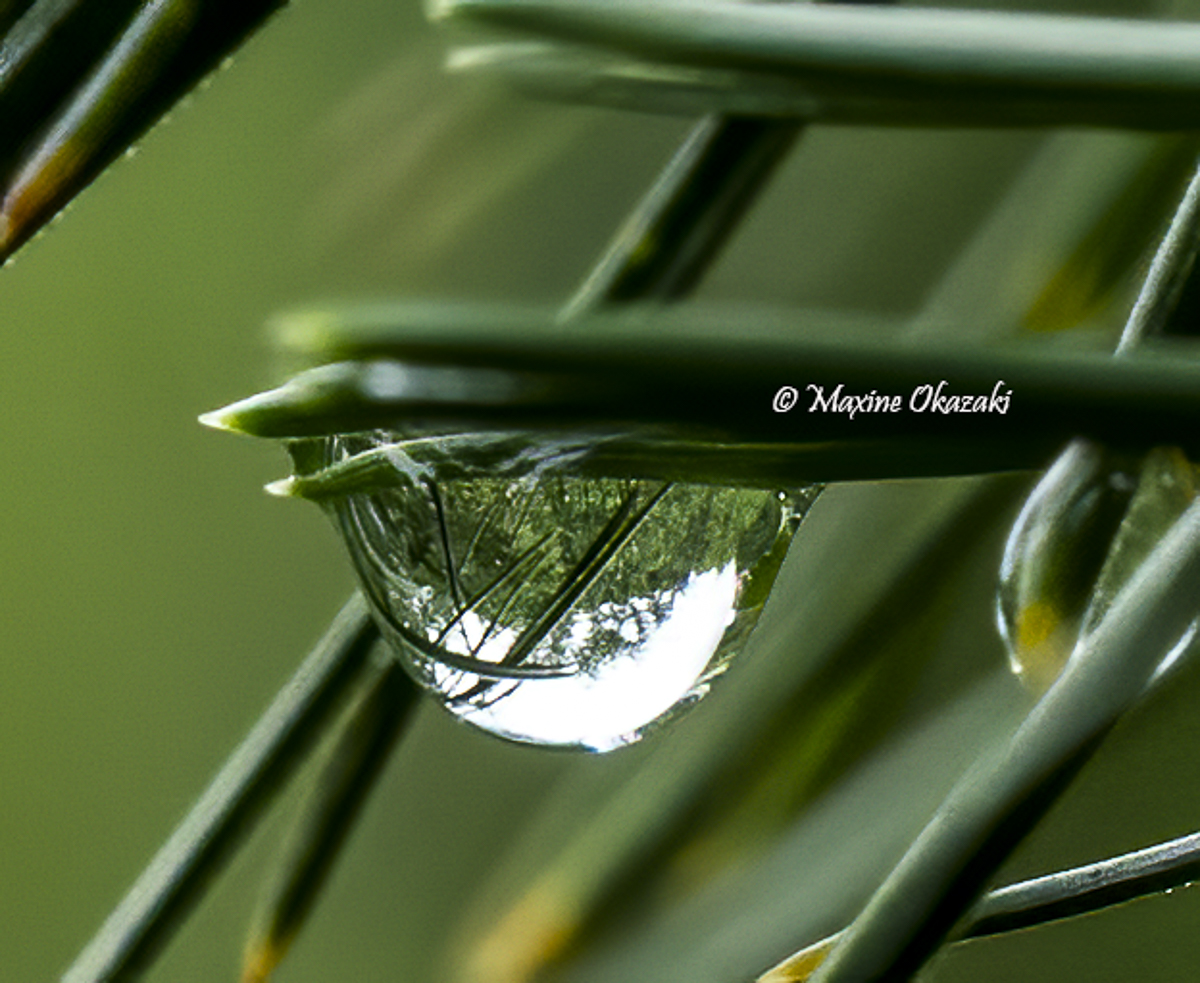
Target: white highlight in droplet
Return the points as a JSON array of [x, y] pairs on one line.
[[606, 710]]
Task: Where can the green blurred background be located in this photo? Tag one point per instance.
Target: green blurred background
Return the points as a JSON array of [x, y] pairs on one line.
[[154, 599]]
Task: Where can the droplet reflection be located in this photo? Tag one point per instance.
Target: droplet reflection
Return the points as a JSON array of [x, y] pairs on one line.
[[562, 610]]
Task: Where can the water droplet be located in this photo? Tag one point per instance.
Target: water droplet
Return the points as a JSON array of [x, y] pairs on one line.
[[562, 610], [1053, 556], [1087, 527]]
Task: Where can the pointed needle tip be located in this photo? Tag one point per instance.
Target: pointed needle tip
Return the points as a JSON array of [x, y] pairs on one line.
[[800, 967], [266, 414], [283, 488], [239, 417], [261, 961], [219, 420]]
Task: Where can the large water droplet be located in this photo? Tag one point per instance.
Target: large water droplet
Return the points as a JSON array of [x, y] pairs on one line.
[[562, 610]]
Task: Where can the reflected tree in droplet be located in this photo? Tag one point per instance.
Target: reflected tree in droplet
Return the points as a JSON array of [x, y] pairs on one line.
[[556, 609]]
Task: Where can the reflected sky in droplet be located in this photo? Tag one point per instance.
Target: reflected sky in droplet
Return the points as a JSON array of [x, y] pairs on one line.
[[609, 706]]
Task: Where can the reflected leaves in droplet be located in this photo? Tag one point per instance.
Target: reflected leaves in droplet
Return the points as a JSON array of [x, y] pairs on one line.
[[555, 609]]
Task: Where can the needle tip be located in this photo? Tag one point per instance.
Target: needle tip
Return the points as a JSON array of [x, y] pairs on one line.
[[260, 962], [800, 967], [245, 416], [218, 420], [283, 488], [282, 412]]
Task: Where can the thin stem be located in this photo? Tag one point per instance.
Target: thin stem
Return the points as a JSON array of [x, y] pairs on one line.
[[866, 64], [177, 876], [1169, 272], [1041, 900], [669, 242], [81, 81], [350, 764], [723, 376], [1091, 887]]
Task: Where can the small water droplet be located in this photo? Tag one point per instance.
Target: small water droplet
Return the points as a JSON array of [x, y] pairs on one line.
[[560, 610], [1083, 533]]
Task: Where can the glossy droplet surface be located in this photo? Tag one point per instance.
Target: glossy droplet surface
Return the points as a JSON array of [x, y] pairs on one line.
[[562, 610], [1053, 556], [1091, 521]]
